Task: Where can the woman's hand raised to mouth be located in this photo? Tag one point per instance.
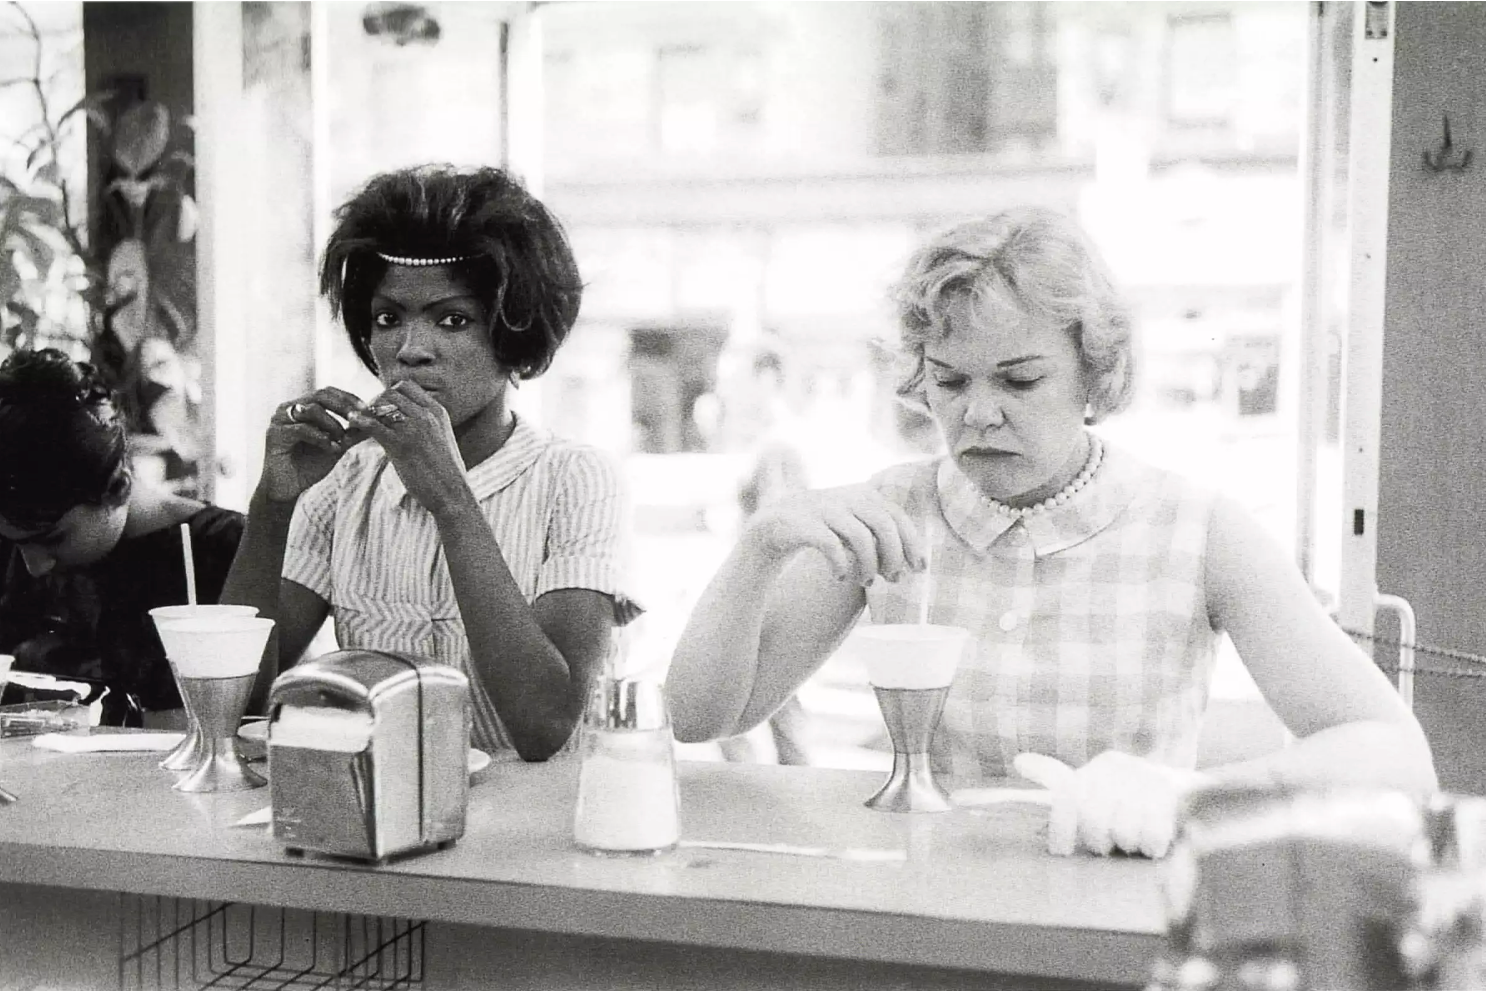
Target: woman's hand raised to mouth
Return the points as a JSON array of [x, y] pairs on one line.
[[306, 439], [414, 430]]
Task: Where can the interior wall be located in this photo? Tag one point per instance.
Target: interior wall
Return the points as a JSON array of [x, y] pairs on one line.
[[255, 186], [277, 255], [1432, 487]]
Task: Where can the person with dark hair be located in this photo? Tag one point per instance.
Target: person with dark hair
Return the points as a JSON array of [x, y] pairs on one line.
[[86, 549], [434, 520]]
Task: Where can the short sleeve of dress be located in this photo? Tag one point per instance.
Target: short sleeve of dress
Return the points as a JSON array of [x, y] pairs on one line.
[[586, 534], [311, 531]]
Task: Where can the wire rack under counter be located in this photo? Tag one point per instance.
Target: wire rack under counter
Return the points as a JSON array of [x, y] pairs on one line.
[[168, 943]]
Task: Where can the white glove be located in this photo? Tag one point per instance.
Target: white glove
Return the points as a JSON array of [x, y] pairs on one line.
[[1114, 801]]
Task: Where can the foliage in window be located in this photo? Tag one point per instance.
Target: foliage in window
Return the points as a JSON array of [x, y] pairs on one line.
[[48, 264]]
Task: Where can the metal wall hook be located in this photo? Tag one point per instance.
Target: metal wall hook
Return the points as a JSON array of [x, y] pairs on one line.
[[1447, 157]]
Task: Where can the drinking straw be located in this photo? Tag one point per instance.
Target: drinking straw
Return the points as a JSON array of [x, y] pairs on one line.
[[190, 563], [923, 598]]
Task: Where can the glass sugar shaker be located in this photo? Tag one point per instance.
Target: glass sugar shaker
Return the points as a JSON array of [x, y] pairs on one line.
[[628, 800], [1446, 947]]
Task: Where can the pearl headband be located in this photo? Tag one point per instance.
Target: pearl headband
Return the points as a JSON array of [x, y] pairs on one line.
[[403, 260]]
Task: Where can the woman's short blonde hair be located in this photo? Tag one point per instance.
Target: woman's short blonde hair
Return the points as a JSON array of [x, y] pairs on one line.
[[1037, 261]]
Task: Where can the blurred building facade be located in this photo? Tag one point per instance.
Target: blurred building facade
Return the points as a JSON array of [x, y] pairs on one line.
[[751, 177], [738, 172], [743, 181]]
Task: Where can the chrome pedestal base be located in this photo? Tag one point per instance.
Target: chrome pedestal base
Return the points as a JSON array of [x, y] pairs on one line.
[[220, 770], [911, 717], [192, 750], [218, 705]]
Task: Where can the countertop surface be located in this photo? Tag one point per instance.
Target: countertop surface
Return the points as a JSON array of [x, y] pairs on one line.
[[976, 890]]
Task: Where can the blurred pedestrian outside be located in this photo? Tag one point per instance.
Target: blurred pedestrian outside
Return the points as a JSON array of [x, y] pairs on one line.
[[778, 467]]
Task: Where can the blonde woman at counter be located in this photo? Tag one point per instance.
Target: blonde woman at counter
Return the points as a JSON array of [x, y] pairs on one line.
[[434, 520], [1095, 586]]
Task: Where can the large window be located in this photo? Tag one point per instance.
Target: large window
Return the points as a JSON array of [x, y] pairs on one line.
[[742, 182], [1202, 69], [795, 155], [708, 98], [965, 78]]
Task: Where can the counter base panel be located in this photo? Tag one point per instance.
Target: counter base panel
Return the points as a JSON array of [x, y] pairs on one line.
[[58, 938], [67, 938]]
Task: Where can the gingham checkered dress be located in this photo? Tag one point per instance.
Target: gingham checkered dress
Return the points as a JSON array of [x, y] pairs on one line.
[[371, 551], [1089, 621]]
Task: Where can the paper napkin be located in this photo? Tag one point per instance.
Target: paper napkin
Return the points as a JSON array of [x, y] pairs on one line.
[[263, 816], [142, 742]]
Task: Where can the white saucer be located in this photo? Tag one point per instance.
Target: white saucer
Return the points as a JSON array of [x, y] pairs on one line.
[[257, 732]]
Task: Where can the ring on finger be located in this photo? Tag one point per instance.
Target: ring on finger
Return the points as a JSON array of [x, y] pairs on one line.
[[388, 413], [294, 412]]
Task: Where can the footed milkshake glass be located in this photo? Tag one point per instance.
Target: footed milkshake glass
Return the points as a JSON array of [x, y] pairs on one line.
[[910, 668], [188, 754], [217, 659]]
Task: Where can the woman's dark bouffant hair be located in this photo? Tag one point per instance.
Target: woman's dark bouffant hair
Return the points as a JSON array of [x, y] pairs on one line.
[[521, 264], [62, 439]]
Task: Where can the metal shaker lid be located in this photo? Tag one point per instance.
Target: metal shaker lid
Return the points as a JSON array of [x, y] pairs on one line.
[[1233, 815], [627, 703]]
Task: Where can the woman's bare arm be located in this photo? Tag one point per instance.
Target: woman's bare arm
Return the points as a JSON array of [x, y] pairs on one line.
[[254, 578], [1352, 725], [534, 660], [780, 605], [758, 631]]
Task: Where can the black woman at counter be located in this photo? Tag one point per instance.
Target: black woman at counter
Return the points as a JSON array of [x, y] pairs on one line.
[[1095, 586], [434, 520], [86, 549]]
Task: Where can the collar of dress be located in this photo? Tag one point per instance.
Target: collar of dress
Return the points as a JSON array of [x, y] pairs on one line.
[[1114, 487]]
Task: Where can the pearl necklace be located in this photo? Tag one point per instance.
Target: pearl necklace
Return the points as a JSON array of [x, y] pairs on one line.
[[1096, 456]]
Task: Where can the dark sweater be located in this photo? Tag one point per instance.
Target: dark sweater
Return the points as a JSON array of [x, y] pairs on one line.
[[93, 623]]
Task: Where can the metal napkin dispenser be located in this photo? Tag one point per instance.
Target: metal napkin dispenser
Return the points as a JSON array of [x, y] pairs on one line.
[[368, 754]]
